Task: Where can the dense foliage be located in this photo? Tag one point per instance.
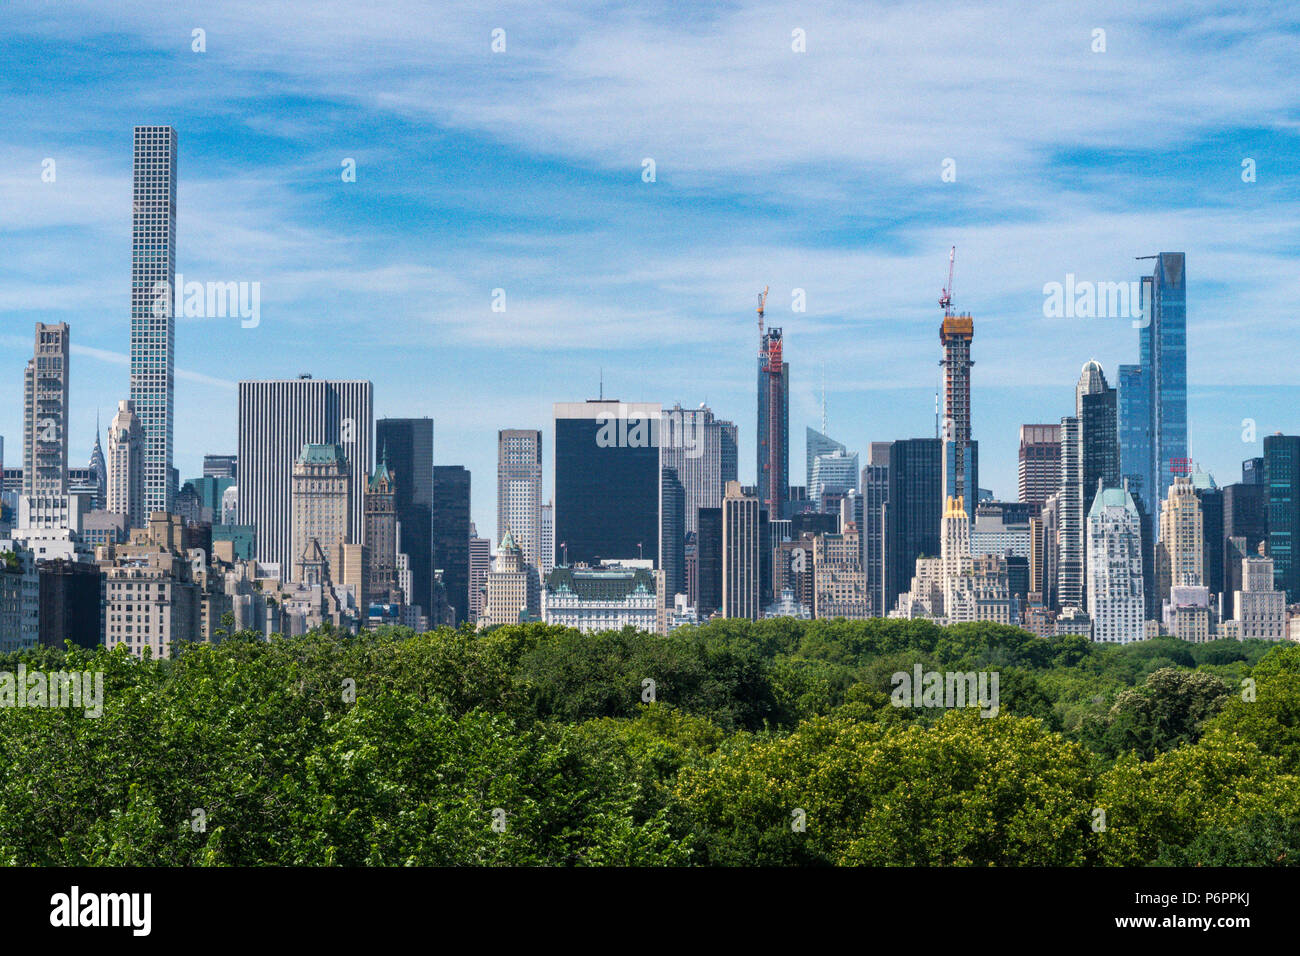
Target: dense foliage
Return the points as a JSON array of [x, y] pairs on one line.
[[772, 743]]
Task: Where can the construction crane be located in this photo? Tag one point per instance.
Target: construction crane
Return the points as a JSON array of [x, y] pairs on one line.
[[762, 304], [945, 299]]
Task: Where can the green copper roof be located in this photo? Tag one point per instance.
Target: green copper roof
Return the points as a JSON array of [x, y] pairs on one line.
[[595, 584], [322, 454]]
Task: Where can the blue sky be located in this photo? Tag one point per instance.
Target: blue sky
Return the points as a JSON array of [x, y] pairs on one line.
[[521, 170]]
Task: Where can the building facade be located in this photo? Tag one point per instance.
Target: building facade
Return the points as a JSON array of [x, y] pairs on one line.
[[153, 320]]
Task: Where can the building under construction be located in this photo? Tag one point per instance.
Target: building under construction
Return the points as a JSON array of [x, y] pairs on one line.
[[773, 436], [960, 453]]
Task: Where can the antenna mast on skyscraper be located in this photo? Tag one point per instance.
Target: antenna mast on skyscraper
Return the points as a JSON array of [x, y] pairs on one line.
[[823, 398], [762, 304]]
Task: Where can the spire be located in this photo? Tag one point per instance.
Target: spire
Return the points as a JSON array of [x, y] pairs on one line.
[[823, 398]]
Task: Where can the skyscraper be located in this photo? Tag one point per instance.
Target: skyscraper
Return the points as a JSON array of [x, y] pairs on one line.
[[709, 562], [1134, 428], [1097, 410], [1040, 462], [407, 443], [126, 465], [381, 537], [1245, 518], [480, 565], [699, 448], [321, 507], [153, 322], [45, 418], [875, 492], [276, 419], [835, 472], [607, 480], [451, 490], [672, 537], [961, 465], [1282, 473], [816, 443], [1167, 337], [913, 511], [741, 544], [1116, 601], [519, 490], [773, 435], [1070, 541], [220, 466], [548, 540], [1179, 552]]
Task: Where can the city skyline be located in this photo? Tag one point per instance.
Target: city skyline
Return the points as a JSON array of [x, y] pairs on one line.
[[452, 203]]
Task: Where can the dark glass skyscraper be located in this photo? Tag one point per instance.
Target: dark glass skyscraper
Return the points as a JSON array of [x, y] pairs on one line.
[[607, 481], [408, 445], [1282, 473], [451, 534], [1245, 516], [875, 492], [1165, 342], [773, 437], [672, 548], [1098, 427], [913, 511], [1134, 427], [709, 561]]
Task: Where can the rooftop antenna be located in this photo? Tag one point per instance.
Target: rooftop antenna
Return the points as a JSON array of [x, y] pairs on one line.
[[824, 399], [602, 383]]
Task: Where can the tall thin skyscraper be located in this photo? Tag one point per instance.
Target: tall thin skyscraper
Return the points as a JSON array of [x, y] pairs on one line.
[[1096, 408], [1167, 338], [1282, 474], [548, 540], [875, 492], [278, 418], [672, 537], [480, 565], [451, 497], [153, 324], [407, 443], [961, 466], [45, 418], [741, 546], [1180, 555], [519, 490], [773, 438], [1070, 534]]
